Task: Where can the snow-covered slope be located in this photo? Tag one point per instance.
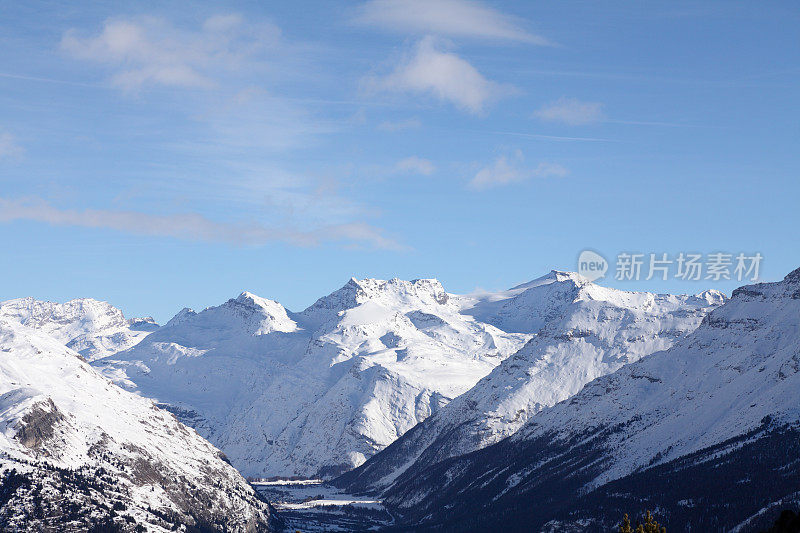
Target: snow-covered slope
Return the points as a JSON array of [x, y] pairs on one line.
[[92, 328], [707, 432], [316, 392], [586, 331], [78, 452]]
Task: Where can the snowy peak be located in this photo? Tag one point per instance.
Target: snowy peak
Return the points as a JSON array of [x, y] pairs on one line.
[[60, 320], [429, 291], [146, 323], [271, 315], [91, 327], [395, 293], [555, 276], [793, 276], [247, 315], [788, 287], [711, 297], [181, 316], [526, 307]]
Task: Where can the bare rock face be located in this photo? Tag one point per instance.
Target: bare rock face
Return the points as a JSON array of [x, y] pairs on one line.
[[39, 424]]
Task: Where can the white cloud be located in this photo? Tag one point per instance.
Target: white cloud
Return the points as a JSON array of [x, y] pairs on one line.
[[432, 70], [455, 18], [193, 226], [571, 111], [415, 165], [507, 170], [400, 125], [8, 146], [149, 51], [252, 120]]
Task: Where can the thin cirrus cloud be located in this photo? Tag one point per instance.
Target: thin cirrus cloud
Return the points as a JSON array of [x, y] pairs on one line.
[[194, 227], [400, 125], [452, 18], [149, 51], [572, 112], [508, 170], [8, 146], [431, 69], [415, 165]]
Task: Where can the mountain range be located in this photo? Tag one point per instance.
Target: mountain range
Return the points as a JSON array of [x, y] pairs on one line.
[[586, 331], [705, 432], [317, 393], [314, 393], [556, 405]]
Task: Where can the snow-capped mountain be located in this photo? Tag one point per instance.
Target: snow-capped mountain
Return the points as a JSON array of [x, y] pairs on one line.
[[92, 328], [317, 392], [77, 453], [585, 331], [706, 433]]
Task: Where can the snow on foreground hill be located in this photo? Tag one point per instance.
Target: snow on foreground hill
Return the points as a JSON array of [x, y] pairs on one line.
[[78, 452], [92, 328], [707, 433], [589, 331], [314, 393]]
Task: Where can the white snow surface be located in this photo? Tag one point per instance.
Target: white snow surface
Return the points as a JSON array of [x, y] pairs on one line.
[[585, 331], [92, 328], [56, 410], [740, 366], [317, 392]]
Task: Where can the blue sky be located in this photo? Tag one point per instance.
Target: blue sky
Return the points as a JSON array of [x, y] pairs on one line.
[[160, 156]]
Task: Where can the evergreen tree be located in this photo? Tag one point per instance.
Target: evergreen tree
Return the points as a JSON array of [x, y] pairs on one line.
[[650, 525], [625, 526]]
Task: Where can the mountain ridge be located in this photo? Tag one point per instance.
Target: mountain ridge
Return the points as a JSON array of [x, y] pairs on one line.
[[94, 328], [720, 406], [587, 331]]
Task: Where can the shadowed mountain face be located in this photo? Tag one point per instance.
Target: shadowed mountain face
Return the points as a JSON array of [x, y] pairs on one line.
[[706, 432], [587, 331]]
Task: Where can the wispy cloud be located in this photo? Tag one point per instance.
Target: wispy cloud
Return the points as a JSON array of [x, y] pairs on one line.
[[229, 137], [507, 170], [542, 137], [400, 125], [432, 69], [194, 227], [9, 147], [148, 51], [415, 165], [453, 18], [572, 112]]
